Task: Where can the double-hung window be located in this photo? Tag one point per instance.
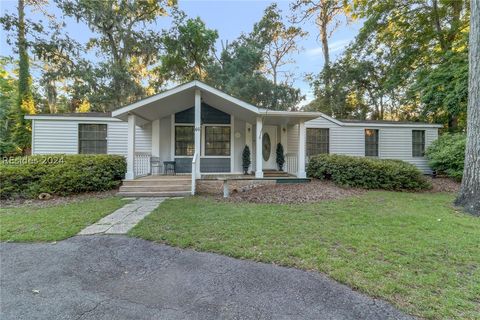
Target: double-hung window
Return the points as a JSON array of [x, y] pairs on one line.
[[317, 141], [184, 141], [418, 143], [217, 140], [371, 142], [92, 138]]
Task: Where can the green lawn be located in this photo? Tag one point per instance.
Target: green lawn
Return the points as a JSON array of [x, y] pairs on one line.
[[413, 250], [30, 224]]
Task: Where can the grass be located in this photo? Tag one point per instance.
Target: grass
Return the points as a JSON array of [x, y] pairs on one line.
[[414, 250], [53, 223]]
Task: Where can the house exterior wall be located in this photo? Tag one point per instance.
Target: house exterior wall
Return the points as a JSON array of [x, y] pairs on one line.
[[395, 142], [238, 144], [166, 138], [61, 136]]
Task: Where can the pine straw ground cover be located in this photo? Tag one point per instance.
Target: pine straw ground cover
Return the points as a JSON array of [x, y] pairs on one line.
[[56, 200], [291, 193], [317, 190]]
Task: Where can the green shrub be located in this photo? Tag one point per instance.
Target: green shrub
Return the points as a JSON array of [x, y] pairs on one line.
[[8, 149], [446, 155], [367, 173], [27, 177]]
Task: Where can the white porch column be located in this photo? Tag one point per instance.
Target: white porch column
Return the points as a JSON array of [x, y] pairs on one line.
[[198, 128], [156, 138], [258, 149], [301, 150], [130, 175]]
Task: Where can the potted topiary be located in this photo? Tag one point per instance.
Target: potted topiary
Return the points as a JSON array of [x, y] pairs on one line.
[[246, 159], [280, 157]]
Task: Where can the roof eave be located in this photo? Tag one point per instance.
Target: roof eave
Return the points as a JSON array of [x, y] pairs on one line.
[[72, 118], [405, 125]]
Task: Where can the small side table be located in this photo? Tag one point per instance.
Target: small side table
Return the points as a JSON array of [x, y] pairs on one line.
[[169, 167]]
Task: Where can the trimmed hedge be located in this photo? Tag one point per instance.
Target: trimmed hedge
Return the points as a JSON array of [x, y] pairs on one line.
[[27, 177], [446, 155], [367, 173]]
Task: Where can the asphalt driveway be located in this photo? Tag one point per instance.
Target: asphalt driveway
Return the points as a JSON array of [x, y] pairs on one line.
[[116, 277]]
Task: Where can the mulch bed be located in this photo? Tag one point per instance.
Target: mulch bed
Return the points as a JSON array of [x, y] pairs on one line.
[[294, 193], [318, 190], [444, 185], [56, 200]]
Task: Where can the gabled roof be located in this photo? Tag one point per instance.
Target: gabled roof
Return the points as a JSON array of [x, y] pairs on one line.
[[195, 84], [181, 97]]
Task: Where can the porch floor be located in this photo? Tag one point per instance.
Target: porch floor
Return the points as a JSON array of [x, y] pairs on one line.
[[180, 185]]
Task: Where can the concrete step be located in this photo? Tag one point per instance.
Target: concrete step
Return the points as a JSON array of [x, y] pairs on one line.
[[155, 188], [155, 194], [151, 182], [275, 174], [162, 178]]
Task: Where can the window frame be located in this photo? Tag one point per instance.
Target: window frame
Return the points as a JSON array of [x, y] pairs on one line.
[[79, 137], [422, 144], [204, 141], [175, 155], [327, 130], [368, 143]]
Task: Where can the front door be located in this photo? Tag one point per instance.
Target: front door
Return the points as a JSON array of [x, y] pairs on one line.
[[269, 146]]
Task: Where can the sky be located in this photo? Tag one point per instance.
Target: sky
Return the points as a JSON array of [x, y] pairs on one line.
[[230, 19]]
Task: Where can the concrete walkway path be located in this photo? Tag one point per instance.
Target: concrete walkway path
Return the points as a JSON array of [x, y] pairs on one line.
[[125, 218]]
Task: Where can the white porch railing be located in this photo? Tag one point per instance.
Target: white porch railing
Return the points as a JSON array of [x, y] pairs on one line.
[[291, 163], [194, 172], [142, 164]]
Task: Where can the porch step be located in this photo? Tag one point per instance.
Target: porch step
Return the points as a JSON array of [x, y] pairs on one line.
[[163, 182], [156, 188], [155, 194], [275, 173]]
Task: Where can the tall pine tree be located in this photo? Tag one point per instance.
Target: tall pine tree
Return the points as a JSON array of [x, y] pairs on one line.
[[22, 129]]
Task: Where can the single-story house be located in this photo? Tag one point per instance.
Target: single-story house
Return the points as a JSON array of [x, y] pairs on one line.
[[202, 131]]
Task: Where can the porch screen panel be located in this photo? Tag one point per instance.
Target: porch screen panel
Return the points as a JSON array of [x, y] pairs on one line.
[[184, 141], [371, 142], [92, 138], [217, 141], [317, 141], [418, 143]]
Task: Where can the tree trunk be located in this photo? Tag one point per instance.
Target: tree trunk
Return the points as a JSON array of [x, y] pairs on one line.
[[23, 73], [326, 57], [452, 123], [21, 133], [469, 196], [437, 24]]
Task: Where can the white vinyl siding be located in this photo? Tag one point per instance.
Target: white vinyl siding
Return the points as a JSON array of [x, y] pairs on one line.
[[292, 139], [117, 138], [165, 139], [61, 136], [53, 136], [394, 142]]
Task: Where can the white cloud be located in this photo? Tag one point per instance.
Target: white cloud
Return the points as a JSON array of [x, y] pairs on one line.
[[334, 46]]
